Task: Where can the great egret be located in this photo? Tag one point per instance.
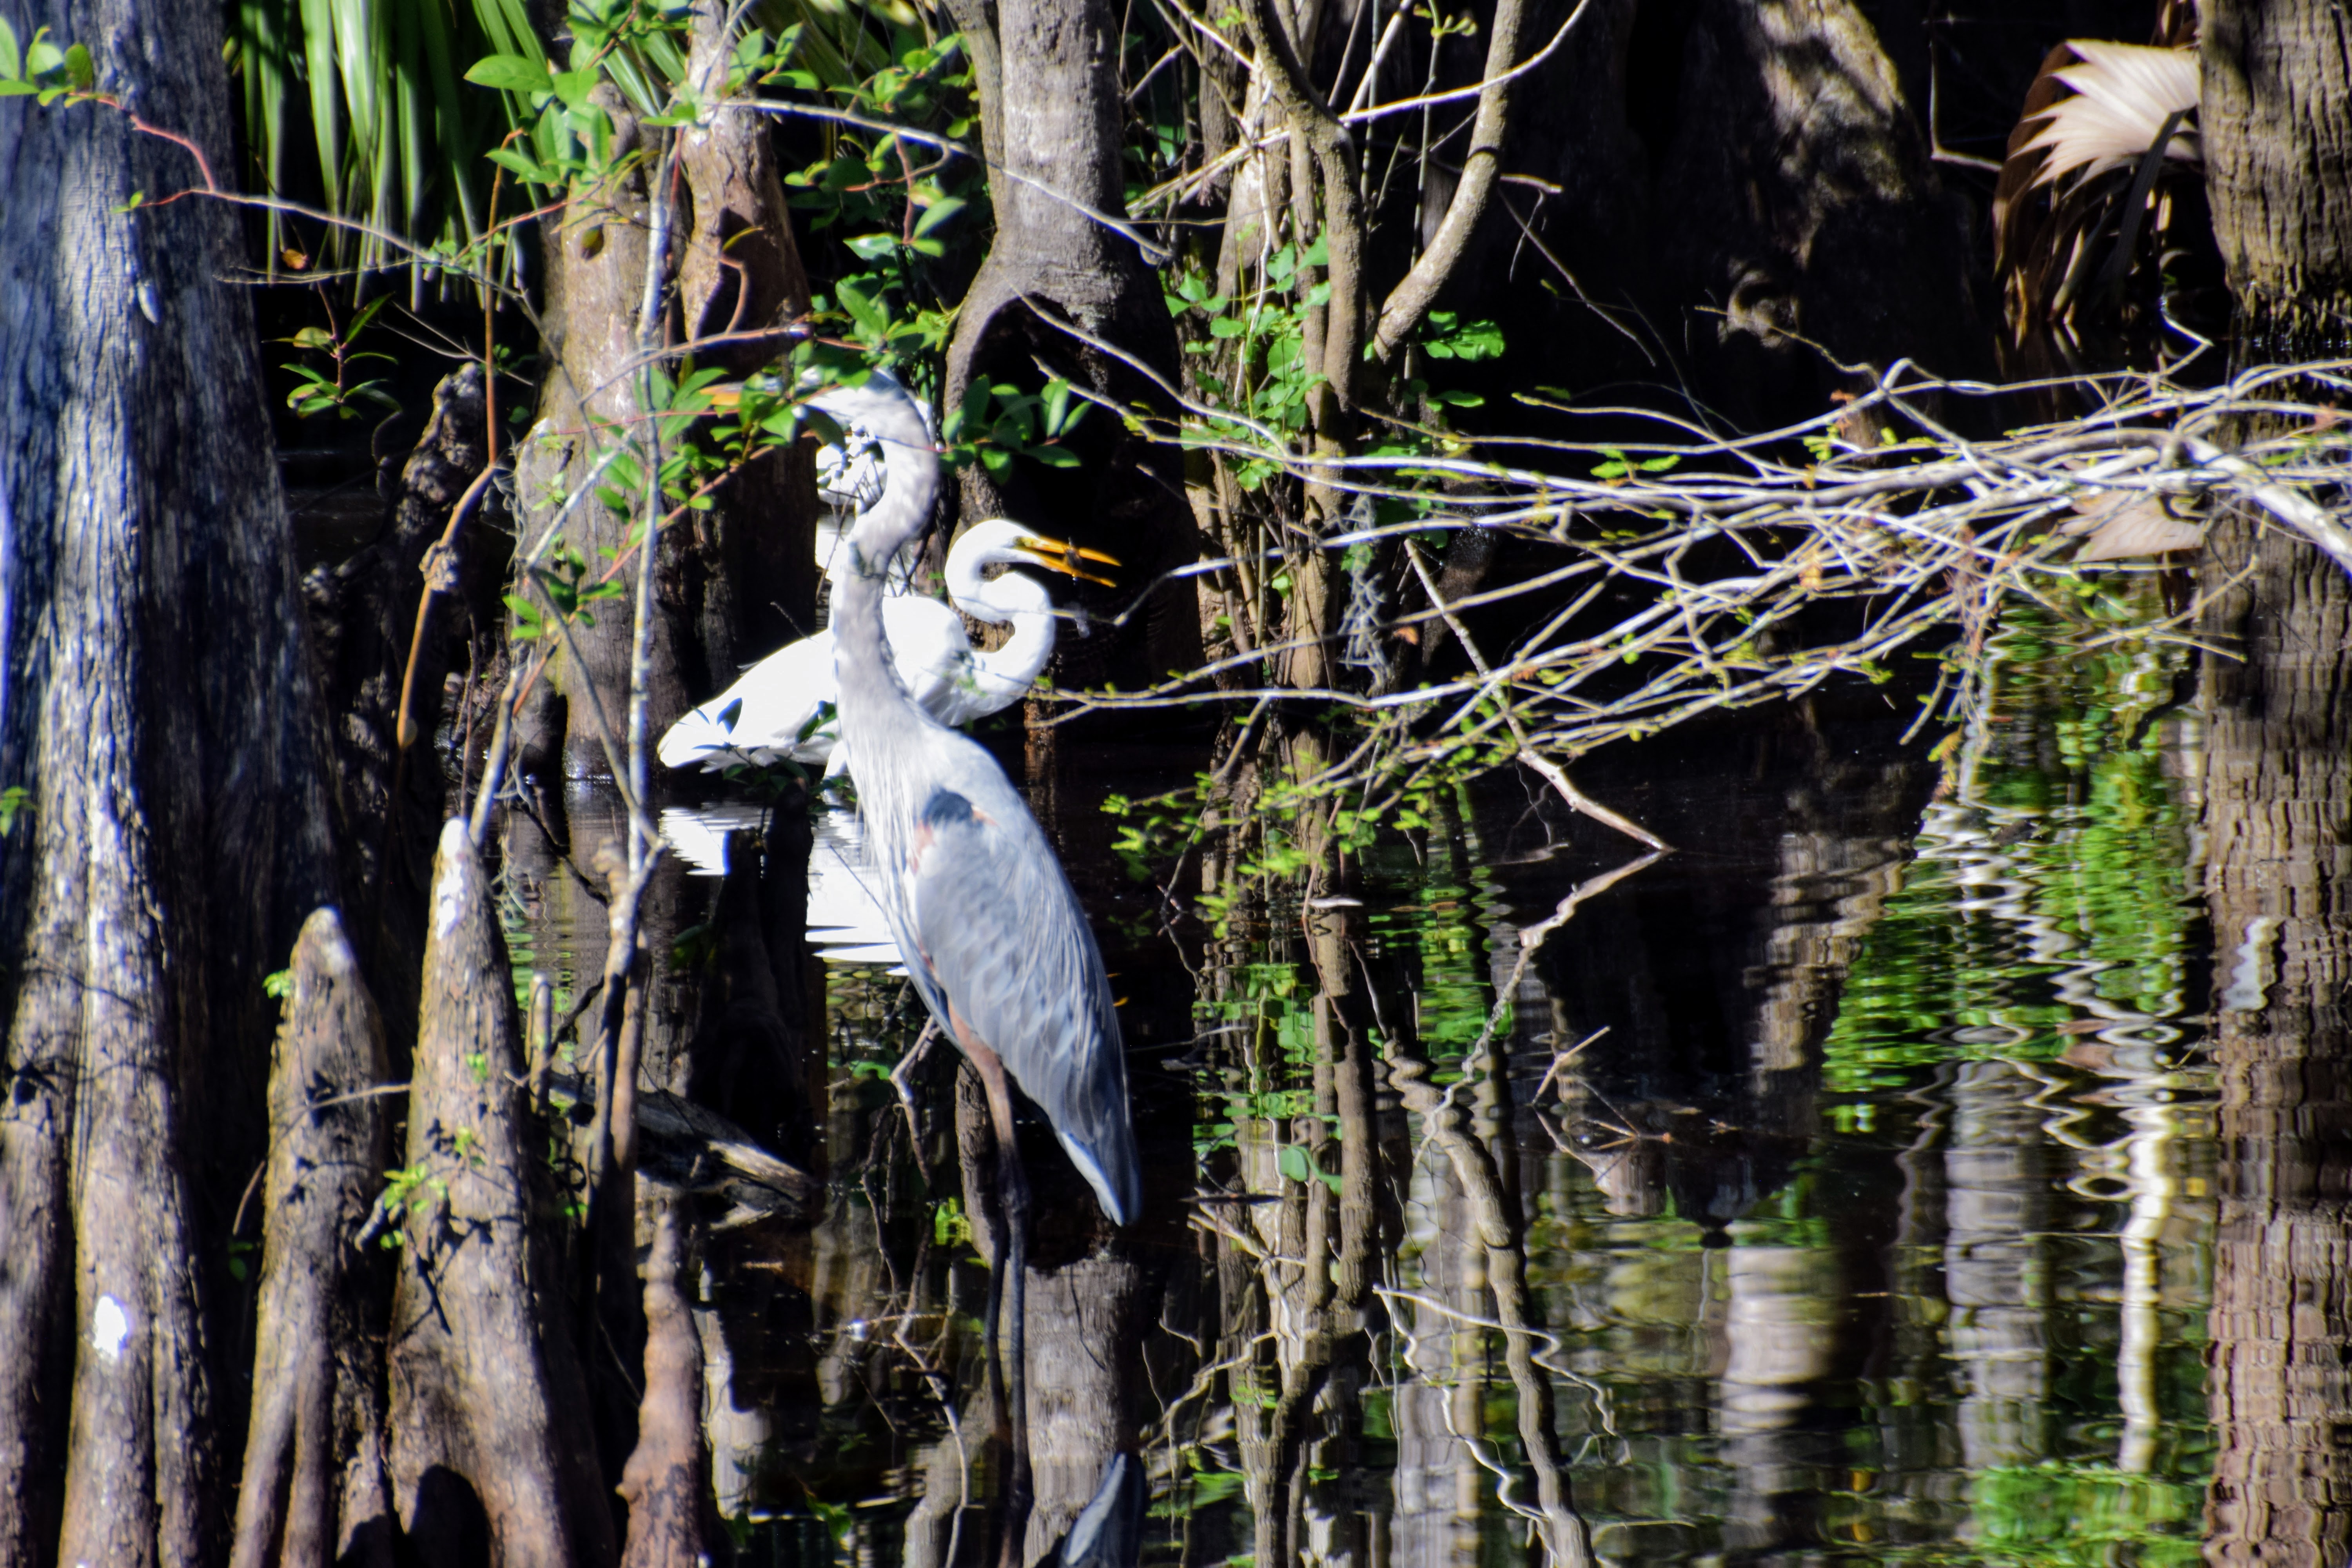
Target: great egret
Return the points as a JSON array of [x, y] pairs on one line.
[[777, 709], [985, 918]]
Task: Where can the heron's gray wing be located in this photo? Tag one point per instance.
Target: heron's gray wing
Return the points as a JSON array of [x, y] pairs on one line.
[[1008, 947]]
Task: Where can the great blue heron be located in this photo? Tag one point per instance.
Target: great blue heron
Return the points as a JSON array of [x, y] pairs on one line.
[[985, 918], [777, 708]]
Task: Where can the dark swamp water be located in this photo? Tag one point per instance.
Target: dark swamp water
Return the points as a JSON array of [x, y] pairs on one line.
[[1848, 1184]]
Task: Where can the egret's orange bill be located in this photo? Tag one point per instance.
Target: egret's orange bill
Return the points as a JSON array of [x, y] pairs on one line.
[[1061, 555]]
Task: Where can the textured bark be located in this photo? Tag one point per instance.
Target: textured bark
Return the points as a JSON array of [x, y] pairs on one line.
[[313, 1490], [2278, 821], [2276, 121], [1085, 1328], [739, 579], [595, 260], [666, 1477], [362, 621], [746, 576], [1054, 120], [490, 1438], [155, 702]]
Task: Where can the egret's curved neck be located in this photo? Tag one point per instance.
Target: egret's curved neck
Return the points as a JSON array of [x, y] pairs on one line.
[[1022, 601]]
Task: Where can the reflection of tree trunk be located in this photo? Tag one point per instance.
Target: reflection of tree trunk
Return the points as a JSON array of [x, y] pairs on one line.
[[157, 706], [1783, 1325], [1908, 1431], [1493, 1219], [1997, 1203], [1085, 1340], [2278, 804], [665, 1480]]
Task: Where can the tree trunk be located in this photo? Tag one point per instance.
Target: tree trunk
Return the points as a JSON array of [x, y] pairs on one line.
[[364, 624], [2277, 125], [1809, 230], [156, 705], [2279, 895], [490, 1437], [738, 581], [1051, 112], [2276, 119], [313, 1491], [666, 1479]]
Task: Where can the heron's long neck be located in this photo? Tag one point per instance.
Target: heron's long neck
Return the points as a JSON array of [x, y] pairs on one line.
[[870, 691]]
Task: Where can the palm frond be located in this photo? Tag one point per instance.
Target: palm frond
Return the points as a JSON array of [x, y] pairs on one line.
[[396, 137], [2124, 96]]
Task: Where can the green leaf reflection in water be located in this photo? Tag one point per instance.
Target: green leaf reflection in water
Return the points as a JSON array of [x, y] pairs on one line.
[[1946, 1302], [2050, 893]]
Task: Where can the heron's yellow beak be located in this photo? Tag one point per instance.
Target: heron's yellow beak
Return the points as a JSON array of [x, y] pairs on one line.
[[1060, 555]]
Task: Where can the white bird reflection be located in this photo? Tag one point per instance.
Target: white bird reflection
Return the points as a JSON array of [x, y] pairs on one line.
[[844, 922]]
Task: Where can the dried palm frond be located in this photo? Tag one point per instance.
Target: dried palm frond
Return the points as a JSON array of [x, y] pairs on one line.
[[2127, 98], [2098, 225], [2119, 527]]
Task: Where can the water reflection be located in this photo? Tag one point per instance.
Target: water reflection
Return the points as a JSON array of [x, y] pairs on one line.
[[1845, 1182]]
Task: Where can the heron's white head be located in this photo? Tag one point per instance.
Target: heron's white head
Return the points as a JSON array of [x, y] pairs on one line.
[[899, 430]]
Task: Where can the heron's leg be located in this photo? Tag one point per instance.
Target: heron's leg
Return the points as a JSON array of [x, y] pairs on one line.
[[1013, 1187]]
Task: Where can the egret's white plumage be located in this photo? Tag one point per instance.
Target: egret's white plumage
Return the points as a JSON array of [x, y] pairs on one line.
[[781, 707]]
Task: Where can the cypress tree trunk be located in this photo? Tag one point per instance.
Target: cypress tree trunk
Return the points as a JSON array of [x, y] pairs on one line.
[[2276, 118], [736, 582], [2277, 123], [156, 705], [1050, 113]]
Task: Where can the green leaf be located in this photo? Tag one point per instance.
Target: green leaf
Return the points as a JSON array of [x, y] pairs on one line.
[[573, 88], [1054, 456], [862, 310], [12, 63], [938, 213], [281, 984], [14, 801], [509, 73], [524, 165], [871, 247], [79, 69]]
